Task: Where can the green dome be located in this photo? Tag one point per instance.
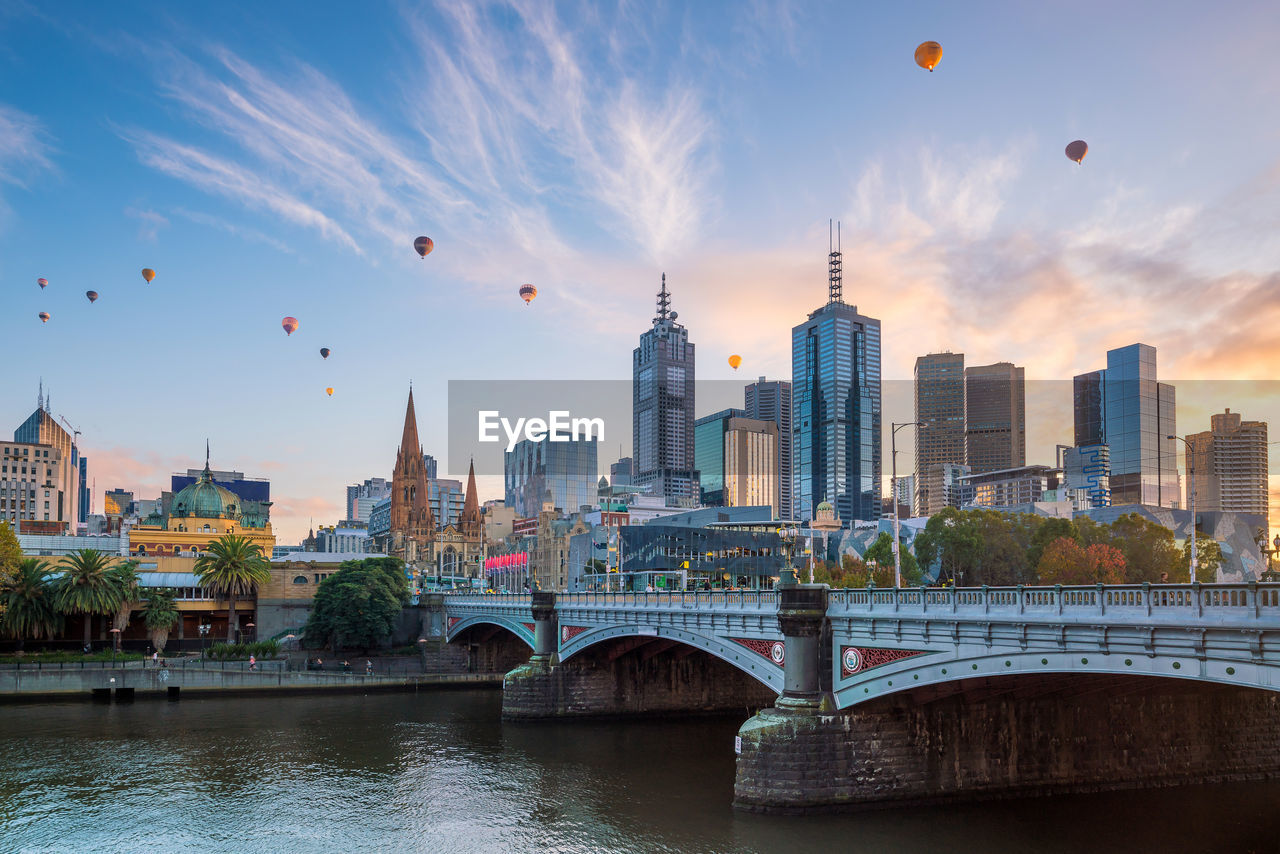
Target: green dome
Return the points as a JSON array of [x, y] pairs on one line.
[[204, 499], [823, 506]]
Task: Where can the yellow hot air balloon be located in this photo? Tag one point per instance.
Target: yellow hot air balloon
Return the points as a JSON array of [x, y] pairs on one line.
[[928, 55], [148, 274], [289, 324], [734, 361], [329, 391]]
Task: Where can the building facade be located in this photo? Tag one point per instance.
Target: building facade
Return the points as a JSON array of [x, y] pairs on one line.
[[770, 400], [362, 496], [57, 505], [940, 412], [995, 421], [1007, 487], [565, 469], [1227, 466], [198, 515], [31, 497], [708, 457], [662, 386]]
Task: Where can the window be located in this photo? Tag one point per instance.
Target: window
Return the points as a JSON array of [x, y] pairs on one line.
[[299, 579]]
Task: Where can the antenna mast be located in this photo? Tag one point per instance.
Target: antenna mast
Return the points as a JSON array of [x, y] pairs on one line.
[[834, 264]]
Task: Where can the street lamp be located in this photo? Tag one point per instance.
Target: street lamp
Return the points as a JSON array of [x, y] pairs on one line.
[[253, 635], [893, 488], [115, 644], [1191, 477], [204, 631]]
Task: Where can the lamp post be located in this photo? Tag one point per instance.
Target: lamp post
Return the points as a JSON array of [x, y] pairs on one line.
[[204, 632], [1191, 477], [893, 488], [115, 644], [253, 634]]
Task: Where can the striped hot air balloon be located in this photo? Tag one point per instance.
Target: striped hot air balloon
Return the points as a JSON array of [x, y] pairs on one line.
[[527, 293]]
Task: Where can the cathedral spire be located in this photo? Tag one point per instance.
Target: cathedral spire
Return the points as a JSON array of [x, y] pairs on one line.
[[409, 443], [471, 520]]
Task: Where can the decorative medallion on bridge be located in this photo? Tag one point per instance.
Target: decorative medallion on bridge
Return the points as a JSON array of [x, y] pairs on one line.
[[772, 650], [568, 633], [855, 659], [528, 626], [453, 621]]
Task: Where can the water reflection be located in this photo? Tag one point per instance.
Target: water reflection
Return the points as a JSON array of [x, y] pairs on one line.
[[440, 772]]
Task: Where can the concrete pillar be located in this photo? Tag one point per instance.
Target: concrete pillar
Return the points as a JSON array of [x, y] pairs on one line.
[[432, 616], [802, 609], [546, 646]]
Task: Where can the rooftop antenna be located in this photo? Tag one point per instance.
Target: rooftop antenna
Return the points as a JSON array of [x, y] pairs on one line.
[[834, 259], [664, 300], [40, 396]]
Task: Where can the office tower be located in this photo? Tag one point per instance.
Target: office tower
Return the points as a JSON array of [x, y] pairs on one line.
[[86, 497], [771, 401], [58, 494], [564, 470], [708, 458], [939, 408], [622, 472], [1227, 466], [995, 421], [737, 459], [362, 496], [662, 414], [835, 407]]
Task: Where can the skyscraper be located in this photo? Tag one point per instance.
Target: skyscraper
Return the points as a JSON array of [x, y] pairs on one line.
[[995, 422], [662, 407], [566, 470], [835, 406], [1227, 465], [708, 436], [939, 394], [362, 496], [60, 490], [1125, 408], [771, 401]]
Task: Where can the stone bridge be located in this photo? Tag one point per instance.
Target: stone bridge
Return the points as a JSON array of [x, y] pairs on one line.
[[908, 695]]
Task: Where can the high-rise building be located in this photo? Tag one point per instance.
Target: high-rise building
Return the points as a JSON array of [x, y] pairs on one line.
[[995, 421], [944, 483], [565, 469], [362, 496], [835, 407], [1227, 466], [662, 407], [86, 497], [446, 497], [771, 401], [940, 438], [1125, 408], [61, 498], [708, 457], [1007, 487], [622, 472], [429, 466], [1087, 468], [31, 499], [737, 460], [411, 525]]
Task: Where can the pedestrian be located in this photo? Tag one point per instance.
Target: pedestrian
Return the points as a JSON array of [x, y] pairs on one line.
[[253, 662], [368, 667], [155, 658], [1164, 578]]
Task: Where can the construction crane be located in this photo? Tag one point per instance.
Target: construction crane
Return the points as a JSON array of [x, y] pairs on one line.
[[74, 432]]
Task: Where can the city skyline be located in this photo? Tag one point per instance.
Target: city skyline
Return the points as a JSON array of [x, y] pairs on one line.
[[975, 216]]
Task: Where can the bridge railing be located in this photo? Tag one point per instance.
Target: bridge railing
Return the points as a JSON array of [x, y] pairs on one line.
[[708, 600], [490, 599], [1249, 601]]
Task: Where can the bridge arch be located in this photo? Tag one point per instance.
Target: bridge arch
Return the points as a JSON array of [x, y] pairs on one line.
[[749, 662], [458, 625]]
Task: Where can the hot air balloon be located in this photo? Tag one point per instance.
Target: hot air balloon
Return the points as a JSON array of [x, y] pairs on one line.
[[43, 283], [527, 293], [289, 324], [324, 352], [734, 361], [424, 245], [1077, 150], [44, 316], [92, 295], [329, 391], [148, 274], [928, 55]]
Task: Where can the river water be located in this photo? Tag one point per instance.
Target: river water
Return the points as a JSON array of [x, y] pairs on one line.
[[440, 772]]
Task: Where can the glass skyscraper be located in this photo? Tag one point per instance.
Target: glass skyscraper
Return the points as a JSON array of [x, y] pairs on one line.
[[771, 401], [835, 421], [566, 470], [708, 437], [939, 407]]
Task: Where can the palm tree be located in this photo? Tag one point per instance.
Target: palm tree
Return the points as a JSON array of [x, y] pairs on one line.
[[159, 615], [28, 598], [87, 586], [235, 566], [125, 577]]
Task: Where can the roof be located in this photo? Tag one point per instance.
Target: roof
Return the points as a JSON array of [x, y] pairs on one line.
[[323, 557], [205, 499], [167, 579]]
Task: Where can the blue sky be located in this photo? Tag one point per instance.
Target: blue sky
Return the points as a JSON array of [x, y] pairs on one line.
[[278, 159]]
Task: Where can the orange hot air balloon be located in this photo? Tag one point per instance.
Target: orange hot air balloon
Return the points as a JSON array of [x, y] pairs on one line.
[[92, 295], [329, 391], [43, 283], [44, 316], [324, 352], [289, 324], [424, 245], [527, 293], [928, 55], [148, 274], [734, 361], [1077, 150]]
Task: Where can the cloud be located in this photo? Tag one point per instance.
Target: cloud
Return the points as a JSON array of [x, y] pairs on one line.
[[250, 234], [150, 222], [24, 148]]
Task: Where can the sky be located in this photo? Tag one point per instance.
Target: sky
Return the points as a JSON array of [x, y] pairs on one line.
[[279, 159]]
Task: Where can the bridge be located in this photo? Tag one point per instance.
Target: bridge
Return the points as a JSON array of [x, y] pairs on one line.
[[1006, 677]]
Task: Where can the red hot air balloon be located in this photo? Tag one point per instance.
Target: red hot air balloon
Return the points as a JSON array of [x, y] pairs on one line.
[[424, 245], [44, 316], [527, 293], [289, 324], [92, 295], [1077, 150], [43, 283]]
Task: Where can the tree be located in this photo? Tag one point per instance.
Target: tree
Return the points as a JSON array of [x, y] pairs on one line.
[[1002, 560], [1149, 549], [1046, 532], [1208, 560], [160, 615], [358, 605], [125, 577], [28, 600], [951, 540], [1066, 562], [87, 587], [10, 555], [881, 553], [234, 566]]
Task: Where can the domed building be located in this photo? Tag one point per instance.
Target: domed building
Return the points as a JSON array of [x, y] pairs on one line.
[[199, 514]]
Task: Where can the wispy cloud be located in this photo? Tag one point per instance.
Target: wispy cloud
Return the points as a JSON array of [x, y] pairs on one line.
[[149, 221], [250, 234], [24, 148]]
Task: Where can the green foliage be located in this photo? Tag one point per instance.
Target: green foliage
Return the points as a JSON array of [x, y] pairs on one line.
[[1046, 532], [87, 586], [1065, 561], [28, 601], [1149, 549], [238, 651], [10, 555], [1208, 560], [159, 612], [1004, 542], [55, 656], [235, 566], [358, 605], [881, 554], [950, 539]]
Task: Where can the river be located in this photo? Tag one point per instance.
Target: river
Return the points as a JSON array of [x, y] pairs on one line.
[[440, 772]]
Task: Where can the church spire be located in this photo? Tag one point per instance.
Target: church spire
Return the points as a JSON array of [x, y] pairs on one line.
[[409, 443], [470, 520]]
